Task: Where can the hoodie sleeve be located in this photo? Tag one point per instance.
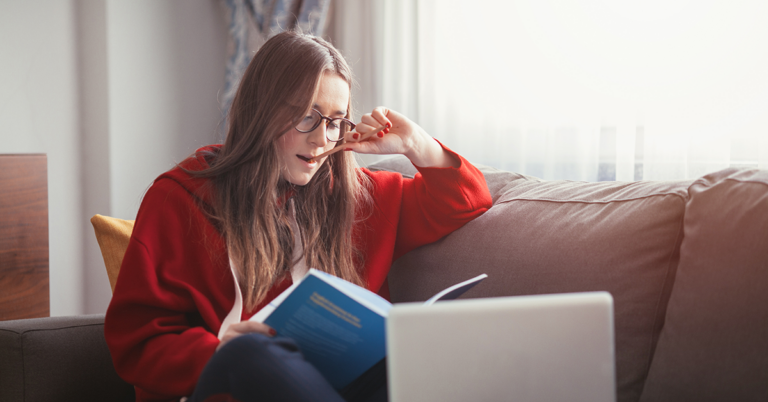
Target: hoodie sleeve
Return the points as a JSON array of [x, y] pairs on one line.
[[409, 213], [437, 201], [172, 292]]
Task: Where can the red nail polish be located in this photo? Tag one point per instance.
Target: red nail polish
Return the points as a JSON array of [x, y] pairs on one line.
[[389, 125], [347, 149], [386, 131], [381, 134], [272, 332], [355, 135]]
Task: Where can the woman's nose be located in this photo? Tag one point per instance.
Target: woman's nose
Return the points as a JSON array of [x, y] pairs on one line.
[[318, 136]]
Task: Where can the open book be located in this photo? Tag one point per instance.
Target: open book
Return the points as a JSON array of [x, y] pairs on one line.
[[339, 326]]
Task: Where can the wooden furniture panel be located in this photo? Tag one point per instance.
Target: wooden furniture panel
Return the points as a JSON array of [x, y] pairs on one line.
[[24, 286]]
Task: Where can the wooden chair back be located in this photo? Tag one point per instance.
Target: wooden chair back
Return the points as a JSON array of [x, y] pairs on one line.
[[24, 284]]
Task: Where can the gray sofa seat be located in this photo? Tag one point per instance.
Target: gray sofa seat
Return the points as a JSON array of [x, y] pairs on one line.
[[58, 359]]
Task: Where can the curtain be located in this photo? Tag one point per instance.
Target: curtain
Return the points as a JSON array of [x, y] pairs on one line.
[[588, 90], [251, 22]]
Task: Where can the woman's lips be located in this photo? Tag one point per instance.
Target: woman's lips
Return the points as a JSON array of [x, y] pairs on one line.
[[310, 160]]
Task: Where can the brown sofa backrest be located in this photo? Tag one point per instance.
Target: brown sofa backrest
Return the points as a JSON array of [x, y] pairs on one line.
[[714, 345], [557, 237]]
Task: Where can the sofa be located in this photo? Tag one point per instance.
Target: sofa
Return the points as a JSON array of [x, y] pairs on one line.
[[685, 261]]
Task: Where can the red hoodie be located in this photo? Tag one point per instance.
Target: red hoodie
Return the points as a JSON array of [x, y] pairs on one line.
[[175, 286]]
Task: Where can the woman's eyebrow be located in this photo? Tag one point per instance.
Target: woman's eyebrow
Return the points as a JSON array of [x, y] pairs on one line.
[[341, 112]]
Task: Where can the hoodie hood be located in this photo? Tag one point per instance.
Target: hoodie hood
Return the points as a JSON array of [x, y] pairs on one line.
[[200, 187]]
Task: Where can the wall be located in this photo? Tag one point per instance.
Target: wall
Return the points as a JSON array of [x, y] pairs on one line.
[[39, 113], [166, 65], [115, 93]]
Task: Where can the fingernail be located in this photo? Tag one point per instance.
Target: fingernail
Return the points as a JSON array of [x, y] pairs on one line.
[[386, 131], [380, 134], [389, 125], [347, 149], [355, 135], [272, 332]]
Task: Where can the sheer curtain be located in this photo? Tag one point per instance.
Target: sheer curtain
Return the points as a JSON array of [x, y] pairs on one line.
[[578, 90]]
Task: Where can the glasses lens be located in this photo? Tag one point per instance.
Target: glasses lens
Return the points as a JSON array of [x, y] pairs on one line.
[[337, 129], [309, 122]]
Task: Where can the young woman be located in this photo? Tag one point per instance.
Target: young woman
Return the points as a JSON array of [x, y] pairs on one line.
[[228, 229]]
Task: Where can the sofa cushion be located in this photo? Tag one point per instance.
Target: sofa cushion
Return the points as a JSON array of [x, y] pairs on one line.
[[714, 345], [558, 237], [58, 359]]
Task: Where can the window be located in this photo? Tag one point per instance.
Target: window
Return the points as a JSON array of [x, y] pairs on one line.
[[581, 90]]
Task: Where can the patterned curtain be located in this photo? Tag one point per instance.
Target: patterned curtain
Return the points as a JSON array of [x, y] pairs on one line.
[[251, 22]]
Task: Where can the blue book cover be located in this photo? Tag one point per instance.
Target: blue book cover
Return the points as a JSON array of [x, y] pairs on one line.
[[339, 326]]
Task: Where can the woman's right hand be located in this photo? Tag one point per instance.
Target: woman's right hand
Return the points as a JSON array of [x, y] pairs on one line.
[[245, 327], [400, 136]]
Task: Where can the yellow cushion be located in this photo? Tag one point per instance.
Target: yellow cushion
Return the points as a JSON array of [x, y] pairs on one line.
[[113, 235]]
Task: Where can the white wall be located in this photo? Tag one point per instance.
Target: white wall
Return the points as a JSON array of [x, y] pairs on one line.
[[166, 64], [39, 114], [114, 92], [94, 140]]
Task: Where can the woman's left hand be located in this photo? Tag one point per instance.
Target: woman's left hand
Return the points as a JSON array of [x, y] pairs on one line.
[[400, 136]]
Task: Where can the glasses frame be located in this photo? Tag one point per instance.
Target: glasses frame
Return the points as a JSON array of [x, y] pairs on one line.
[[328, 121]]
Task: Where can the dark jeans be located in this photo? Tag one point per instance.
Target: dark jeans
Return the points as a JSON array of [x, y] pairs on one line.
[[255, 367]]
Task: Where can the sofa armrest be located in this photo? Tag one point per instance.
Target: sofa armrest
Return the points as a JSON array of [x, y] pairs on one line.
[[58, 359]]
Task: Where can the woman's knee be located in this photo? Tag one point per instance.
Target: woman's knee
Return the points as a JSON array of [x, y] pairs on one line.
[[268, 367], [256, 346]]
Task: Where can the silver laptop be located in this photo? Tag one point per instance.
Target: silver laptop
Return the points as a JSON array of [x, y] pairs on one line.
[[544, 348]]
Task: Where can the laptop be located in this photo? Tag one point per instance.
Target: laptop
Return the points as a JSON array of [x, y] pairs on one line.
[[544, 348]]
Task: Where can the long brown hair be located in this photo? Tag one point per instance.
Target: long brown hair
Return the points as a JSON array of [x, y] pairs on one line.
[[250, 206]]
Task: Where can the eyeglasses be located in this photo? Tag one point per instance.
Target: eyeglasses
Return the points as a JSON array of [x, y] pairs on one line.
[[335, 129]]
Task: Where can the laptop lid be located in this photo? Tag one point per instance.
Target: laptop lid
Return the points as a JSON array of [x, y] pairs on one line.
[[523, 348]]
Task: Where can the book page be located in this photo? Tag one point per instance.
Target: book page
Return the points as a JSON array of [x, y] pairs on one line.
[[455, 290]]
